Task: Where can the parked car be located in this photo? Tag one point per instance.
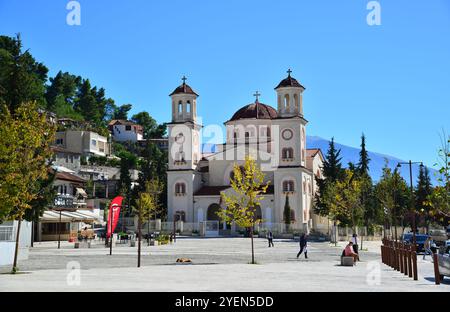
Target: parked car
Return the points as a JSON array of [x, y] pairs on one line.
[[420, 240], [100, 233], [439, 236], [444, 263]]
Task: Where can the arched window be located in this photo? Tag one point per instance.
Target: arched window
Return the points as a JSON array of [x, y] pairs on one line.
[[287, 105], [180, 108], [287, 153], [296, 103], [188, 107], [180, 189], [288, 186], [212, 213]]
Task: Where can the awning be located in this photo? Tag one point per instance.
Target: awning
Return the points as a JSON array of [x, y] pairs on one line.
[[81, 192], [72, 216]]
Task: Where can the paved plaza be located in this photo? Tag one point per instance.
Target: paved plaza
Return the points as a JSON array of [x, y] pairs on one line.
[[219, 264]]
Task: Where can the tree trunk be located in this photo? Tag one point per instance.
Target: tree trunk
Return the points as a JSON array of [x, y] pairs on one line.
[[139, 240], [16, 251], [253, 248]]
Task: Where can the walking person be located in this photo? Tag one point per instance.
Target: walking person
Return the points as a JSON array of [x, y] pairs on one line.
[[270, 239], [427, 248], [355, 244], [303, 246]]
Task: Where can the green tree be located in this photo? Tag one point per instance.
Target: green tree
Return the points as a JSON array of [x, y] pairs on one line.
[[439, 200], [22, 78], [62, 89], [86, 102], [287, 213], [122, 111], [364, 160], [343, 197], [145, 206], [392, 194], [151, 128], [25, 140], [423, 191], [332, 171], [248, 187], [153, 164]]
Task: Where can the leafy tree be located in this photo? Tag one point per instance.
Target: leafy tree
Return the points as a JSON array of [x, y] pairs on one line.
[[46, 196], [153, 165], [146, 205], [343, 197], [122, 111], [439, 200], [392, 194], [25, 140], [22, 78], [423, 191], [287, 213], [332, 171], [62, 90], [127, 162], [151, 128], [86, 102], [248, 186]]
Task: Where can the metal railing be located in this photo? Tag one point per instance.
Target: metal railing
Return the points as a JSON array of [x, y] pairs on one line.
[[6, 233]]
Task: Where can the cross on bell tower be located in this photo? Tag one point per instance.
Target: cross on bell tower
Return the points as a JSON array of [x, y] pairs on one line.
[[289, 72], [184, 79]]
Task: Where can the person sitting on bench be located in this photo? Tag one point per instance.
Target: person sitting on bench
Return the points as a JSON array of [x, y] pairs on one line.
[[349, 252]]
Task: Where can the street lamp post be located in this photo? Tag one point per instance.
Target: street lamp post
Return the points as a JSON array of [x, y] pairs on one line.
[[410, 163]]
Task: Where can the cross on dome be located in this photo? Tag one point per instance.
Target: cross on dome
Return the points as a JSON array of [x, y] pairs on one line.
[[257, 95]]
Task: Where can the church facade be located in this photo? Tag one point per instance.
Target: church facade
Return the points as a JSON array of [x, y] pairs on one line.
[[275, 138]]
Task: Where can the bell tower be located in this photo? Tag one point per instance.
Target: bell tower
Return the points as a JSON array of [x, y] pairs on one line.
[[184, 132], [290, 97], [184, 103]]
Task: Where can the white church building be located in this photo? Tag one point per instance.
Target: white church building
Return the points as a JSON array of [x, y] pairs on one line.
[[275, 138]]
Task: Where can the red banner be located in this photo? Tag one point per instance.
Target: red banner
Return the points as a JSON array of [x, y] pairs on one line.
[[114, 208]]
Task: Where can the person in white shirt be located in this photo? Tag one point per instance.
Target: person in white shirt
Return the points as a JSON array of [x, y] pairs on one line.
[[355, 243]]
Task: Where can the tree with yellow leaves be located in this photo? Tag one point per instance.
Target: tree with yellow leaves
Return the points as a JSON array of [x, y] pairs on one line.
[[343, 197], [146, 205], [248, 187], [25, 140]]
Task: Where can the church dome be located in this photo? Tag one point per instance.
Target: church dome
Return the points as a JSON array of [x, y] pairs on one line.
[[289, 82], [255, 111]]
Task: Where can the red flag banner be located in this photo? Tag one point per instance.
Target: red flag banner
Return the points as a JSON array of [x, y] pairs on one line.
[[114, 208]]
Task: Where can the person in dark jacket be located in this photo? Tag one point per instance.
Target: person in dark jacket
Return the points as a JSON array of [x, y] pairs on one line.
[[303, 246], [270, 238]]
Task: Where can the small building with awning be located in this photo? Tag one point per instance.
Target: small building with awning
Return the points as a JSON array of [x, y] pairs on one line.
[[69, 212]]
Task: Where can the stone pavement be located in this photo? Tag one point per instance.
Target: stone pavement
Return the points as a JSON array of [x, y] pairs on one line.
[[219, 264]]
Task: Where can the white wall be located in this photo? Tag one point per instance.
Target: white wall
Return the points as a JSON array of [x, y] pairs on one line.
[[7, 248]]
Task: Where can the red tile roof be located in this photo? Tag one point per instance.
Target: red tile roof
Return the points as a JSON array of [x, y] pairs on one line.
[[255, 111], [289, 82], [184, 88]]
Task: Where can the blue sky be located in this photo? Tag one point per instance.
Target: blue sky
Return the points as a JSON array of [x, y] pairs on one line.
[[391, 82]]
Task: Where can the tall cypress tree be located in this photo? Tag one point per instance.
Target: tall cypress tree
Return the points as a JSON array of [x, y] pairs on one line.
[[423, 190], [363, 165], [332, 167], [332, 171]]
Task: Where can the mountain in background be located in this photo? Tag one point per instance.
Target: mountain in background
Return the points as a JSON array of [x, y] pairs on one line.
[[351, 154], [377, 160]]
